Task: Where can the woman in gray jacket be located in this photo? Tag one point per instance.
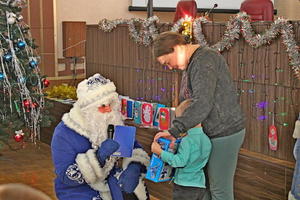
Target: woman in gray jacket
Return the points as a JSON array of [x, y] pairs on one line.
[[207, 80]]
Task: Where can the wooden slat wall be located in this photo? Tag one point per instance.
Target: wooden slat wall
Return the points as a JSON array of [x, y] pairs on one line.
[[130, 66], [135, 74]]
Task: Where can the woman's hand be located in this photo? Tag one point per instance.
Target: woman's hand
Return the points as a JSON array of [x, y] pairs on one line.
[[155, 148]]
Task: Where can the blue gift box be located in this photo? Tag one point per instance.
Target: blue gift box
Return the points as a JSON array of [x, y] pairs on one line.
[[137, 112], [156, 114], [130, 109], [159, 171]]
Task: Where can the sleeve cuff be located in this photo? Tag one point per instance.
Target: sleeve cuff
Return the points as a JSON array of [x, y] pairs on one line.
[[90, 167], [138, 155], [85, 168]]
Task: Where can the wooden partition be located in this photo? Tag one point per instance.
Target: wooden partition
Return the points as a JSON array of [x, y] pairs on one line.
[[132, 68], [262, 76]]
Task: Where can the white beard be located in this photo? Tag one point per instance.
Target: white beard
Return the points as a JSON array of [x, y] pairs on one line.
[[97, 123]]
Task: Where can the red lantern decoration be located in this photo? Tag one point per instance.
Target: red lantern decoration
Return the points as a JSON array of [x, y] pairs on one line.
[[46, 82], [185, 9], [259, 10]]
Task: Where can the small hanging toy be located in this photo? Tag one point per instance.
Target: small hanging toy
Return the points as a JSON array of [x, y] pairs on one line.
[[11, 17], [19, 135], [273, 139]]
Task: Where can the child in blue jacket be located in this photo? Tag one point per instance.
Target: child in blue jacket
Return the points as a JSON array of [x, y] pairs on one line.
[[192, 155]]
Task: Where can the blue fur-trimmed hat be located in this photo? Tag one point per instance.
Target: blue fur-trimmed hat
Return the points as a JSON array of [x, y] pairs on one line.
[[93, 90]]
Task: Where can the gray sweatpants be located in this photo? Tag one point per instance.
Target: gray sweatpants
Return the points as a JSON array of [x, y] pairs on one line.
[[187, 193], [221, 166]]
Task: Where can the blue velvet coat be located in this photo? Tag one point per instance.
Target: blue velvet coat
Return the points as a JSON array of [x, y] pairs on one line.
[[78, 172]]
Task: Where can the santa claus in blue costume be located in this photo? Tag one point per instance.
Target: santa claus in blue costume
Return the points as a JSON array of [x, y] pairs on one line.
[[81, 150]]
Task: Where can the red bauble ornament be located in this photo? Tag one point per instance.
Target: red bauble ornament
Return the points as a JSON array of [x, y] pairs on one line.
[[46, 82], [34, 105], [18, 137], [26, 103]]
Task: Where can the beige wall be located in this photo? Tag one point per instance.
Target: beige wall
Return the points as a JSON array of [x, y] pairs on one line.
[[288, 9], [92, 11]]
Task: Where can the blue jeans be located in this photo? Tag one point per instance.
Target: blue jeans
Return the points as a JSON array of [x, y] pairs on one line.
[[295, 190]]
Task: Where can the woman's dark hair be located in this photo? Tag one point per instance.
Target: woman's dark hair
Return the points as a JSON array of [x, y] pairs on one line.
[[165, 42]]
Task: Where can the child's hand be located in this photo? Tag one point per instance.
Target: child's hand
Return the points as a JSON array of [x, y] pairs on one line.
[[165, 134], [155, 148]]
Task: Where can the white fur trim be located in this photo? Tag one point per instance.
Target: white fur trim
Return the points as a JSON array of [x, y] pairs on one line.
[[87, 96], [103, 189], [291, 196], [138, 155], [85, 168], [140, 190], [296, 133], [75, 121], [95, 164], [90, 168], [93, 174], [103, 100], [101, 173]]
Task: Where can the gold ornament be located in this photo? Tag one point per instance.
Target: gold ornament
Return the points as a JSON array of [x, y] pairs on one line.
[[187, 25]]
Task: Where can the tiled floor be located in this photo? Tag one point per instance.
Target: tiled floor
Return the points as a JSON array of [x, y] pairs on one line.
[[31, 165]]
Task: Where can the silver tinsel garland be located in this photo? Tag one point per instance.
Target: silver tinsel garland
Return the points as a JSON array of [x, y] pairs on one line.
[[177, 25], [240, 24], [14, 3], [197, 28], [144, 36]]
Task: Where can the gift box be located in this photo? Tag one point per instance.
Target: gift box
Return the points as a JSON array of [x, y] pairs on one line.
[[159, 171], [124, 106], [156, 114], [130, 108], [137, 112], [164, 118], [147, 114]]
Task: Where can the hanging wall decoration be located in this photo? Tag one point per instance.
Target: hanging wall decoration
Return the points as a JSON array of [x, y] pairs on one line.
[[144, 31]]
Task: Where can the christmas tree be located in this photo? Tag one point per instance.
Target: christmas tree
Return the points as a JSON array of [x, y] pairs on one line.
[[21, 85]]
